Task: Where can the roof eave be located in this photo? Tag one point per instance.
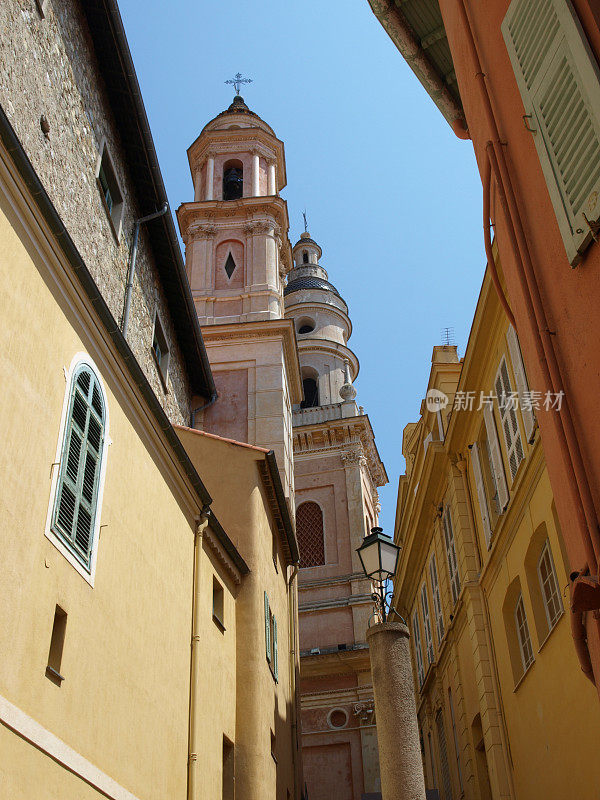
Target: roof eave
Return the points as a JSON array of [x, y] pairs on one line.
[[408, 43]]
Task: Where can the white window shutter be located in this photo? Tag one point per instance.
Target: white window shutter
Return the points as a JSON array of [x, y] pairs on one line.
[[481, 496], [499, 477], [559, 81], [275, 655], [521, 379]]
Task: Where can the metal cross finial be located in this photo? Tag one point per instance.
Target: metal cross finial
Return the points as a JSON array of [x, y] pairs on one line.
[[238, 81], [305, 222]]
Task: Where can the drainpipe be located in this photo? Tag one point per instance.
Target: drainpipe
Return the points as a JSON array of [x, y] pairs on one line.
[[487, 188], [195, 660], [293, 682], [132, 259], [212, 399]]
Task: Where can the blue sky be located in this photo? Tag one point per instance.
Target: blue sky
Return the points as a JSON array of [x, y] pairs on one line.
[[392, 196]]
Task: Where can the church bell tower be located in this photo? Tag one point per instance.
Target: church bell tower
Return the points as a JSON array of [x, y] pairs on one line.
[[337, 472], [237, 256]]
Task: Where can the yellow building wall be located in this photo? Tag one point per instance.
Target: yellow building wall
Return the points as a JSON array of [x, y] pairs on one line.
[[123, 705]]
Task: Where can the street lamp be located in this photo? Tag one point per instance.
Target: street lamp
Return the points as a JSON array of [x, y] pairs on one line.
[[400, 763], [379, 558]]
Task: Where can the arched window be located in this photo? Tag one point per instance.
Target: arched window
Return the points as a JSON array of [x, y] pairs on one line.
[[233, 180], [542, 581], [76, 499], [305, 256], [311, 393], [309, 529], [517, 630]]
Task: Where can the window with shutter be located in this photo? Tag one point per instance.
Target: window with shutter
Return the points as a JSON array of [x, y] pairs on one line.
[[275, 657], [451, 555], [437, 602], [523, 634], [418, 650], [427, 623], [76, 506], [559, 82], [495, 457], [446, 782], [481, 495], [508, 417], [516, 359], [549, 586]]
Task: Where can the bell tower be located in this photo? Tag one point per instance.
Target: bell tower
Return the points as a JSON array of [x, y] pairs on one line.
[[237, 256], [337, 472]]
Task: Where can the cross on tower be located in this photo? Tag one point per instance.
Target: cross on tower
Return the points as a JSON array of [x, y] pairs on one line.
[[238, 81]]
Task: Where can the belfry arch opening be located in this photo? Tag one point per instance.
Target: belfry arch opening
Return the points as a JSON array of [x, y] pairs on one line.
[[233, 180], [310, 386]]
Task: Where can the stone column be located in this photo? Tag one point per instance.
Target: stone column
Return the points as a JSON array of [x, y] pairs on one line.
[[271, 181], [396, 713], [255, 175], [210, 177]]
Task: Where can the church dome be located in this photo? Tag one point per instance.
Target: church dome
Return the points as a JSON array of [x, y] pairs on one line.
[[310, 282], [238, 112]]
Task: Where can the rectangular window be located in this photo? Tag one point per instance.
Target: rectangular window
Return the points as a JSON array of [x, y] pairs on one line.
[[110, 191], [516, 359], [427, 623], [218, 604], [271, 640], [523, 634], [508, 417], [446, 783], [57, 642], [559, 82], [549, 586], [160, 349], [417, 646], [451, 555], [455, 736], [495, 457], [437, 602]]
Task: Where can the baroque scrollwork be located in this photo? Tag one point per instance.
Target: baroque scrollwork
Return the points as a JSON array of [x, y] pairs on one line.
[[365, 711]]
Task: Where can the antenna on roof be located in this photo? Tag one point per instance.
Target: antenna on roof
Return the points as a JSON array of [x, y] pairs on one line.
[[305, 222], [448, 337]]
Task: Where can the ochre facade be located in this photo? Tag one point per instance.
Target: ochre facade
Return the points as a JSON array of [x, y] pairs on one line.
[[482, 581]]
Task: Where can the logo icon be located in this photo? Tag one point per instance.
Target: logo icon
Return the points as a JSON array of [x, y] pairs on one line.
[[436, 400]]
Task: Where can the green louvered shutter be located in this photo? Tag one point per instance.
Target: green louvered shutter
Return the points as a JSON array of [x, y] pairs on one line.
[[267, 629], [77, 491], [275, 662], [559, 83]]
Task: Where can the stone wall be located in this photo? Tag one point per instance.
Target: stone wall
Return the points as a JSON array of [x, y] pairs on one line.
[[48, 67]]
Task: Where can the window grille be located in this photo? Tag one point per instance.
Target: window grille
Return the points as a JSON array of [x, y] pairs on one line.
[[309, 530]]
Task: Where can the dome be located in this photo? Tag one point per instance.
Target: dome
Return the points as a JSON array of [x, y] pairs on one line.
[[238, 107], [310, 282]]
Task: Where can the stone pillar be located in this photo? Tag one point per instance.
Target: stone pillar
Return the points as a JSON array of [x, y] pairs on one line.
[[210, 177], [396, 713], [255, 175], [272, 188]]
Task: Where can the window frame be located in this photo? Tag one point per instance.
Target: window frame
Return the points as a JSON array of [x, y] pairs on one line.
[[521, 628], [427, 629], [437, 599], [508, 415], [162, 362], [418, 648], [88, 574], [546, 551], [115, 212], [453, 574]]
